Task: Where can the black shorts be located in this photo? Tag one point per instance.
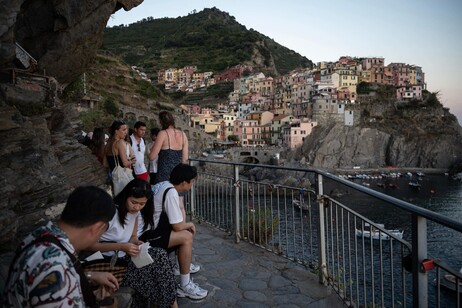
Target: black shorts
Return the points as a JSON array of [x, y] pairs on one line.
[[157, 238]]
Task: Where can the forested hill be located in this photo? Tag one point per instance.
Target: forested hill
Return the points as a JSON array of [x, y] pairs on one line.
[[211, 39]]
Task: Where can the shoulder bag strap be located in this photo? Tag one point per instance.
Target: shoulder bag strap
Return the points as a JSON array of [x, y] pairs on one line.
[[164, 197], [116, 159]]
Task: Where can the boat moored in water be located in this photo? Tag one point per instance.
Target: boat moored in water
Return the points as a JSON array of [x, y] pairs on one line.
[[377, 234]]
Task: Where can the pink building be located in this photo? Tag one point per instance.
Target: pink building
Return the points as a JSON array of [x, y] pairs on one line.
[[409, 92], [248, 132], [294, 134], [234, 72], [195, 109]]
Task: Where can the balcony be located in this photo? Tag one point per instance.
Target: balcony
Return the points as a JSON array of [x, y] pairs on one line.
[[366, 264]]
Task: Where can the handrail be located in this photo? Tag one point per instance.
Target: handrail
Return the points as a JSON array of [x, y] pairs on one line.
[[436, 217]]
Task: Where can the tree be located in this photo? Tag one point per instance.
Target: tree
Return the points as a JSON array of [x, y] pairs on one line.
[[110, 106], [233, 138]]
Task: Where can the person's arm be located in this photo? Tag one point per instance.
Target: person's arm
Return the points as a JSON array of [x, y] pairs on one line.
[[189, 226], [157, 146], [185, 149], [129, 248], [103, 279], [121, 148], [134, 237]]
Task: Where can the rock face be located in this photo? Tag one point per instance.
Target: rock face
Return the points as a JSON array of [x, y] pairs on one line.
[[61, 35], [430, 140], [40, 158]]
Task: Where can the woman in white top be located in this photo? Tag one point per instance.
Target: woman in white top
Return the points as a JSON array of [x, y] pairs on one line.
[[153, 283], [117, 148]]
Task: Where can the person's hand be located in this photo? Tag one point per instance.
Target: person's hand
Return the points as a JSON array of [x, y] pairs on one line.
[[192, 229], [131, 249], [105, 279]]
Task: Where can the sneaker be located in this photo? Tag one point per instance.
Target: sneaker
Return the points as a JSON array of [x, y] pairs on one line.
[[193, 268], [192, 291]]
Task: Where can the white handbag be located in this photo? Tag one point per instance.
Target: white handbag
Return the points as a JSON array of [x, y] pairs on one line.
[[120, 177]]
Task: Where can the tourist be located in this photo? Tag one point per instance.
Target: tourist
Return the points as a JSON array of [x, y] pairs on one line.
[[43, 271], [98, 143], [153, 163], [172, 231], [171, 148], [118, 150], [153, 283], [139, 149]]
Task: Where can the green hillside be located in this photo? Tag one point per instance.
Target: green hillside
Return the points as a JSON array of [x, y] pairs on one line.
[[211, 39]]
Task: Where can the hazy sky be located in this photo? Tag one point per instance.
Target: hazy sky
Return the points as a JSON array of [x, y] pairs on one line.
[[427, 33]]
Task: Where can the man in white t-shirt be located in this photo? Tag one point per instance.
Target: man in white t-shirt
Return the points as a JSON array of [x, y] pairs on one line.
[[139, 149], [171, 231]]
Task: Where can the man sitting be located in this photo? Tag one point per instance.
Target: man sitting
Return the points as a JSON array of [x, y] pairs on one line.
[[45, 271], [171, 230]]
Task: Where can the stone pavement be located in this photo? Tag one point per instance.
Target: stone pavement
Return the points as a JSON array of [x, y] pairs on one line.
[[243, 275]]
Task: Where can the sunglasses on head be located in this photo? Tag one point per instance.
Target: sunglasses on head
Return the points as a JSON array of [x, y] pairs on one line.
[[139, 192]]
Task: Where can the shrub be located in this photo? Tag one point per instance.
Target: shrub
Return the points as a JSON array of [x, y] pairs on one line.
[[259, 226], [110, 106]]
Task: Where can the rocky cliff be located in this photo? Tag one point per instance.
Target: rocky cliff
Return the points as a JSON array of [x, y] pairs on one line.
[[412, 136], [40, 158]]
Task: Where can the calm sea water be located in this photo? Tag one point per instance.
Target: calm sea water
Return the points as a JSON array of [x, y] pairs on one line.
[[439, 194]]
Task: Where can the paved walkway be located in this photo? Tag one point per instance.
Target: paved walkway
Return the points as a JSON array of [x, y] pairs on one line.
[[243, 275]]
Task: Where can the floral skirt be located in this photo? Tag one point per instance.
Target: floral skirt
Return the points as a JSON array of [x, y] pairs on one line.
[[154, 283]]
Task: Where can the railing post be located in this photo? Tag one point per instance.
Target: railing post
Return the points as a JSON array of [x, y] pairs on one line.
[[236, 205], [193, 199], [322, 263], [419, 253]]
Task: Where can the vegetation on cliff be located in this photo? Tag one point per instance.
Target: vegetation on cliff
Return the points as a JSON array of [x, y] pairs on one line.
[[211, 39]]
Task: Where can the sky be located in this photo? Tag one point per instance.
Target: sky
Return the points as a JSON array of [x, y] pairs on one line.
[[426, 33]]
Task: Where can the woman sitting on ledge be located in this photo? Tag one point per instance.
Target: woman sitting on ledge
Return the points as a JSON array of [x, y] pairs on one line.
[[153, 283]]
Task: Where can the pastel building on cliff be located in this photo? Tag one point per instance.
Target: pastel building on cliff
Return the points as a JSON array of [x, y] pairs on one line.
[[295, 133]]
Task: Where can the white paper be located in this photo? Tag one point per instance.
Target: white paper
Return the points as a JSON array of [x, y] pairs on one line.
[[96, 256], [143, 258]]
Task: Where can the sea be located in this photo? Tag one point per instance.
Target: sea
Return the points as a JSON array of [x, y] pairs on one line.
[[437, 193]]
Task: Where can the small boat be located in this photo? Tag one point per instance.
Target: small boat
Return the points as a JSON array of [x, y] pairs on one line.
[[205, 154], [380, 184], [449, 282], [219, 155], [301, 206], [414, 185], [376, 234]]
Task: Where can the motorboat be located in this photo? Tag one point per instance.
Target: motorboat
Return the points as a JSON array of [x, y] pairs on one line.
[[449, 282], [414, 185], [300, 205], [377, 234]]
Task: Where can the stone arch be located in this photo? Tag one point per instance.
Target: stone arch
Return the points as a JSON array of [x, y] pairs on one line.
[[130, 116], [251, 160]]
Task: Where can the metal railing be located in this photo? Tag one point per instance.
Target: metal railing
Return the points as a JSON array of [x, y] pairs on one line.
[[366, 264]]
